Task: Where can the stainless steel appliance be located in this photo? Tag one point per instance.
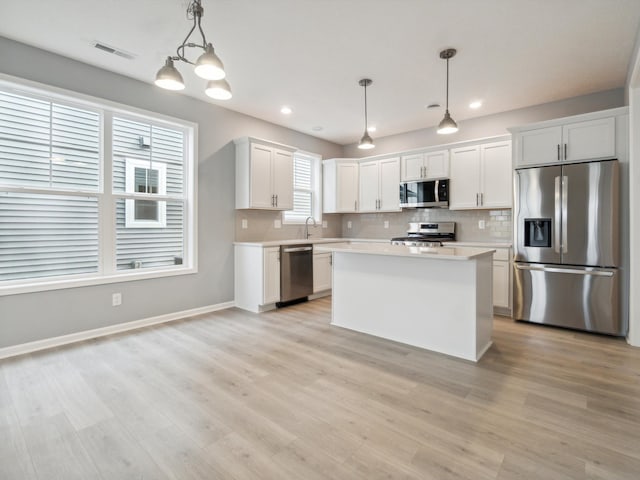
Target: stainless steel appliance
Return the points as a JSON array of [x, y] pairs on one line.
[[427, 234], [566, 246], [430, 193], [296, 272]]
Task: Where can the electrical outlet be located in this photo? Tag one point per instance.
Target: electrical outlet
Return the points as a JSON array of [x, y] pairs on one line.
[[116, 299], [277, 223], [324, 224], [481, 224], [349, 224], [386, 224], [245, 223]]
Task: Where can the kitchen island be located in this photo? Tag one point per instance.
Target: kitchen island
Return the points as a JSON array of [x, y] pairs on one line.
[[439, 299]]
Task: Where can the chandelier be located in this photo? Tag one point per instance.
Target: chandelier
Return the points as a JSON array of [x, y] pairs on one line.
[[207, 66]]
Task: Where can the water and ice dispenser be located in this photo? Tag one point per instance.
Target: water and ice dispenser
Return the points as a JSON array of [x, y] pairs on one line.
[[537, 232]]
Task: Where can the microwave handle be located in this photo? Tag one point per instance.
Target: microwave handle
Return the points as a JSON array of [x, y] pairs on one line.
[[437, 192]]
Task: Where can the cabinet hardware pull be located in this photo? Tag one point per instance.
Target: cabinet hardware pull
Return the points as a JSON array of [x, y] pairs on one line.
[[355, 205], [565, 151], [477, 200], [481, 199], [276, 200], [558, 151]]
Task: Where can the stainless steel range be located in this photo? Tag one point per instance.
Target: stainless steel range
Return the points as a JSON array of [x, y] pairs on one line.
[[430, 234]]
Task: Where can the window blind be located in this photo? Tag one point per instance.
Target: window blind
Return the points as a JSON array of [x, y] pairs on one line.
[[302, 189]]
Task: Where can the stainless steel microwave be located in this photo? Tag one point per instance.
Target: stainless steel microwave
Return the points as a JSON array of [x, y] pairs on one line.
[[425, 194]]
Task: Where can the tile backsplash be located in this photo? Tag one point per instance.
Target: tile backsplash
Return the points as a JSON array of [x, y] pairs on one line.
[[261, 225], [497, 223]]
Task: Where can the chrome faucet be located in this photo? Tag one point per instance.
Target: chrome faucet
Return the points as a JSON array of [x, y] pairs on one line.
[[306, 227]]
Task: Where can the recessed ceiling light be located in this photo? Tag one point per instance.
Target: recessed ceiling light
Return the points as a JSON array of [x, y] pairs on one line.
[[317, 128], [475, 104], [286, 110], [433, 105], [371, 128]]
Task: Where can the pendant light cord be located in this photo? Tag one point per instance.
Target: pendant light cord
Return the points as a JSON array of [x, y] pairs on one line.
[[447, 108], [365, 107]]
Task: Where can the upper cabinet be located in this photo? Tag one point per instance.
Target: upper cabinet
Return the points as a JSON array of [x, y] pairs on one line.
[[379, 185], [264, 175], [574, 139], [424, 166], [481, 176], [340, 184]]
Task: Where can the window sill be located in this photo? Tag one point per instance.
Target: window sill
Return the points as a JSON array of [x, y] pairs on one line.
[[45, 285]]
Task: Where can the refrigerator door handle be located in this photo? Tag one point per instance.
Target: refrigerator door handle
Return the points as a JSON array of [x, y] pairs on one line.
[[565, 194], [596, 273], [556, 226]]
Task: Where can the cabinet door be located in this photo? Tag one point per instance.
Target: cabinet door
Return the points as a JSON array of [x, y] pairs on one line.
[[539, 146], [260, 192], [593, 139], [437, 164], [412, 167], [501, 284], [282, 179], [389, 185], [271, 272], [321, 272], [464, 189], [496, 176], [347, 184], [369, 186]]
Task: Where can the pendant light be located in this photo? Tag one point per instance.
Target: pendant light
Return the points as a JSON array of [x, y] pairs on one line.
[[366, 142], [447, 125], [207, 66]]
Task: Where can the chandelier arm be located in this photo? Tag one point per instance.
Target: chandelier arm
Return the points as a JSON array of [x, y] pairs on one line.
[[180, 50], [204, 39]]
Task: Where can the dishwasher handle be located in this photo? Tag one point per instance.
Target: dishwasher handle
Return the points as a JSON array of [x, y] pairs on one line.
[[297, 249]]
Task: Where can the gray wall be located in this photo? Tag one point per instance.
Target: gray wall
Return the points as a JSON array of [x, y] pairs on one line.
[[34, 316], [493, 125]]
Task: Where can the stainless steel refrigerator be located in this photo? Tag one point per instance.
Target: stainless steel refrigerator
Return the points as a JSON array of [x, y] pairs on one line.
[[566, 246]]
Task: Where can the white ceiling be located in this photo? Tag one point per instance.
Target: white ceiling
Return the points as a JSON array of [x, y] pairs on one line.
[[310, 54]]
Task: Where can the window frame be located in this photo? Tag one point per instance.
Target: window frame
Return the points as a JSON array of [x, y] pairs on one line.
[[130, 216], [316, 190], [107, 272]]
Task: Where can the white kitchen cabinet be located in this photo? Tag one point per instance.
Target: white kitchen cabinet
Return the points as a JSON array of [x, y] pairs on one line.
[[573, 139], [340, 183], [257, 277], [481, 176], [321, 272], [379, 185], [424, 166], [264, 175], [502, 280], [271, 269]]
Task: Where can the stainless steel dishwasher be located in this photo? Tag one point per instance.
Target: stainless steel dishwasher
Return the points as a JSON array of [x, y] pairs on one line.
[[296, 272]]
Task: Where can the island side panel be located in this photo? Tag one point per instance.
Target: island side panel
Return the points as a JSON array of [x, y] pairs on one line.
[[429, 303], [484, 304]]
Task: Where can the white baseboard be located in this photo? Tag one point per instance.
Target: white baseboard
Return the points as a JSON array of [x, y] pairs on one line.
[[29, 347]]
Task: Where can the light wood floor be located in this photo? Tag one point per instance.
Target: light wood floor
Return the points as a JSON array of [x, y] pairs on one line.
[[283, 395]]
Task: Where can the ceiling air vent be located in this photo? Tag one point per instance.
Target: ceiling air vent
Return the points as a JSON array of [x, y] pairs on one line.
[[106, 48]]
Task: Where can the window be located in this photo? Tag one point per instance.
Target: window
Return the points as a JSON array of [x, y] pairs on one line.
[[149, 178], [307, 199], [64, 177]]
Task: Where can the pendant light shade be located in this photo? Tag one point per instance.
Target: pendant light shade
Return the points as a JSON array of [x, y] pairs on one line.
[[366, 142], [209, 66], [447, 125], [169, 77], [218, 89]]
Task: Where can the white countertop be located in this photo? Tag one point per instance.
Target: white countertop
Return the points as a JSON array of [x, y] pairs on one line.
[[311, 241], [442, 253], [479, 244]]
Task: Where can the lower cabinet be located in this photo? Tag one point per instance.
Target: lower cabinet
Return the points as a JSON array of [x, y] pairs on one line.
[[257, 277], [321, 272], [502, 281]]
